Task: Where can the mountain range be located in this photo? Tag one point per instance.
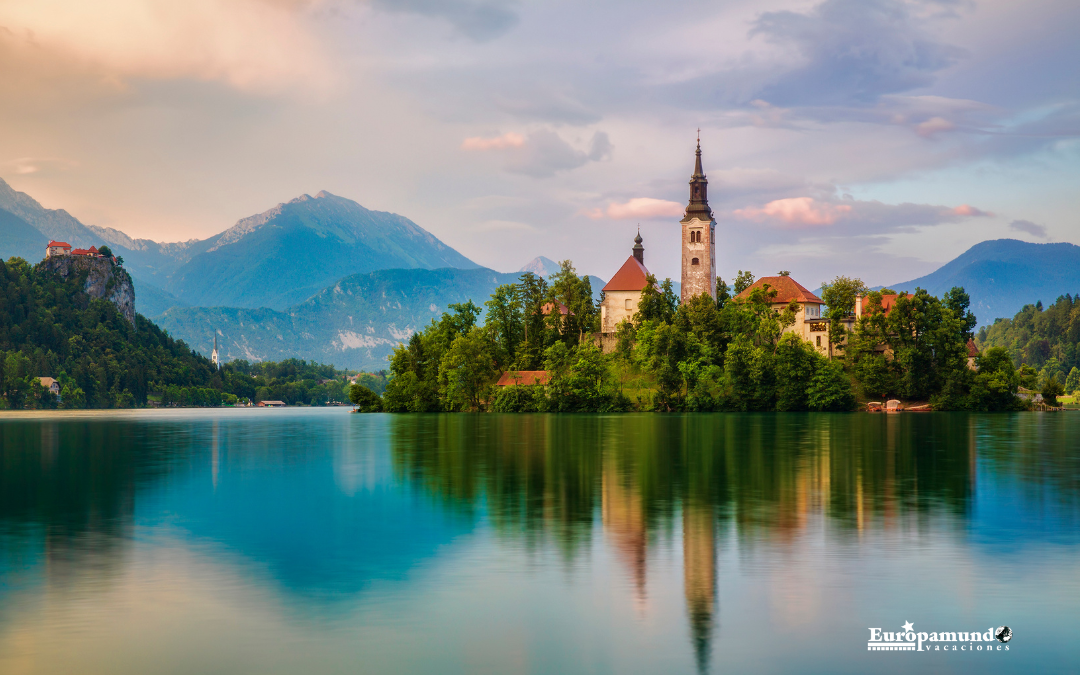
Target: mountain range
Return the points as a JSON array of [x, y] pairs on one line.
[[324, 278], [355, 323], [1003, 275], [273, 259]]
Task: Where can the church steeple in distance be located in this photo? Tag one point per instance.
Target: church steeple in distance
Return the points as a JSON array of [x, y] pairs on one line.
[[698, 237], [639, 250], [699, 189]]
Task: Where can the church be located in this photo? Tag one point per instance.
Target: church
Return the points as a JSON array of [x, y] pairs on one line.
[[698, 231], [623, 293]]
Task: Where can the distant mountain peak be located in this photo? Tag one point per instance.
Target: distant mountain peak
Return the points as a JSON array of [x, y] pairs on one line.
[[541, 266]]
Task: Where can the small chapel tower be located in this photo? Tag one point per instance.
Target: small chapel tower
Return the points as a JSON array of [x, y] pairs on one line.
[[214, 354], [698, 238]]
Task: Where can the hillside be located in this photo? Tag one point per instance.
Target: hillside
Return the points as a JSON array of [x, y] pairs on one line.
[[355, 323], [1003, 275], [56, 320]]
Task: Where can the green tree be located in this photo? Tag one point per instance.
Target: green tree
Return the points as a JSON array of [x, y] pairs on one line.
[[658, 301], [743, 281], [105, 251], [995, 383], [365, 400], [830, 389], [839, 298], [467, 371], [505, 319], [722, 293], [533, 294], [959, 302], [1072, 382], [1051, 390]]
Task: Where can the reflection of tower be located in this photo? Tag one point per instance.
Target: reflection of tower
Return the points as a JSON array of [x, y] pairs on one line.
[[699, 578], [624, 520], [213, 355]]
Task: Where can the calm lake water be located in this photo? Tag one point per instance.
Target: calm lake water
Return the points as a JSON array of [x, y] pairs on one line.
[[315, 541]]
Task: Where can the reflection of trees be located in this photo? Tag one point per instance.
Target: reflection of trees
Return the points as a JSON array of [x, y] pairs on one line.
[[71, 487], [544, 476]]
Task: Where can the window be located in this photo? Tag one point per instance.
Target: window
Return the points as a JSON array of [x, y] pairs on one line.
[[629, 303], [694, 261], [819, 341]]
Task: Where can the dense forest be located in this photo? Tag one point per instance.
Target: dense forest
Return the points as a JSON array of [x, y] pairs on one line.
[[1043, 342], [50, 327], [706, 355]]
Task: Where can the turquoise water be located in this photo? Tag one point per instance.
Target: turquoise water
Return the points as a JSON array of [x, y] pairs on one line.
[[314, 541]]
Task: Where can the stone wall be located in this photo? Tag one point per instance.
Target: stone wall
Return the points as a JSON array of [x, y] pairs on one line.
[[103, 279]]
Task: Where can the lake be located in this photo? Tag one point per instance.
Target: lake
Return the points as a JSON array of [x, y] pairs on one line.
[[316, 541]]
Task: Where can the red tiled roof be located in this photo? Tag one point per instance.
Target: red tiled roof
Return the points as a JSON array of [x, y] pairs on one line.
[[787, 289], [523, 377], [61, 244], [79, 251], [548, 306], [973, 351], [630, 277], [93, 249], [888, 301]]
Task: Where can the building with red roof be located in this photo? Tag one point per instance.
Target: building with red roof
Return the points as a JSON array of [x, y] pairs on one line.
[[57, 248], [623, 293], [863, 306], [808, 322]]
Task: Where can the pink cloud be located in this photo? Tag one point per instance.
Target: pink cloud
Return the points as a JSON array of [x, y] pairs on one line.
[[507, 140], [797, 211], [968, 210], [934, 125], [639, 208]]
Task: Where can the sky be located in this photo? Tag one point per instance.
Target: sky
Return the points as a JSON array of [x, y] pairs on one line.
[[867, 138]]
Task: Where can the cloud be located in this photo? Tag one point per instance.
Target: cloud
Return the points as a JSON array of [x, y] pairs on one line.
[[638, 208], [852, 51], [542, 153], [967, 210], [796, 211], [29, 165], [857, 217], [1029, 227], [252, 45], [933, 126], [481, 21], [507, 140]]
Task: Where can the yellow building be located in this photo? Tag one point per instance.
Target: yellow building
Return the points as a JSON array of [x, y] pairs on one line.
[[808, 322]]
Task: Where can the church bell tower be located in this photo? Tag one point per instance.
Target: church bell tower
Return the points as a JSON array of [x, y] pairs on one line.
[[698, 238]]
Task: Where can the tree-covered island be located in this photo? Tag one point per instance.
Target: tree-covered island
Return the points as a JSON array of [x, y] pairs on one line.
[[727, 354]]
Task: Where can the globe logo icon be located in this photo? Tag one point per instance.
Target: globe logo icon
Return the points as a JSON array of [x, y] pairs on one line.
[[1003, 634]]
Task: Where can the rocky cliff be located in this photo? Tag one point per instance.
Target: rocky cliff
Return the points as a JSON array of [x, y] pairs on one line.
[[101, 279]]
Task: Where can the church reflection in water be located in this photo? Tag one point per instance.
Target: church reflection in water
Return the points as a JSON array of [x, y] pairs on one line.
[[658, 487], [765, 479]]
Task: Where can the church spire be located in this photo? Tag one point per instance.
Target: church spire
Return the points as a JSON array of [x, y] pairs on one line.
[[699, 190], [639, 250]]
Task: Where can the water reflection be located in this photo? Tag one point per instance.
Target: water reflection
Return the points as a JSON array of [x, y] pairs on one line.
[[322, 507]]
